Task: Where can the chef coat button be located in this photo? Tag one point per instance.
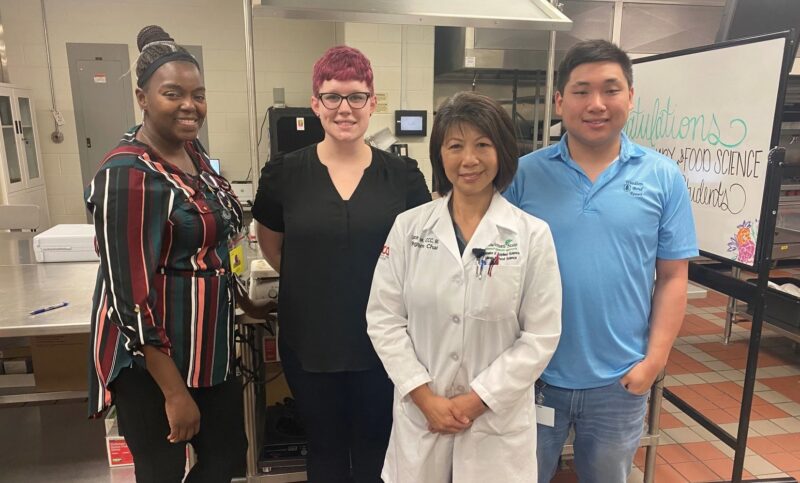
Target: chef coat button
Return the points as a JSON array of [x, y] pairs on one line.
[[454, 356], [456, 319], [457, 280], [460, 389]]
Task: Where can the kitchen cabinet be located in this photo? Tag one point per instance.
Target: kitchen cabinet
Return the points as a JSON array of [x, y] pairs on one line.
[[21, 174]]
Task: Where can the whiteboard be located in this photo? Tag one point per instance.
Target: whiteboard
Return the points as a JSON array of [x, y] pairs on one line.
[[713, 111]]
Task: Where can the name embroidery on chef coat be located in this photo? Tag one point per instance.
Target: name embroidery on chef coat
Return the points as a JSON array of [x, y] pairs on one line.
[[425, 243], [506, 250]]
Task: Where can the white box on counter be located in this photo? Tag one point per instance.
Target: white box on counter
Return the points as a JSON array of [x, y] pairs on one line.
[[65, 243]]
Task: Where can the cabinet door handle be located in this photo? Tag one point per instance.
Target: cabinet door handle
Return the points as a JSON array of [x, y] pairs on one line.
[[19, 126], [88, 142]]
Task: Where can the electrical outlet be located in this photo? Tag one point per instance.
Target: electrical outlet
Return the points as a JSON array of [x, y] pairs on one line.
[[58, 117]]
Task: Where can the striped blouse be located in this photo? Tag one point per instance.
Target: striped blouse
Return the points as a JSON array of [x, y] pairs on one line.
[[164, 278]]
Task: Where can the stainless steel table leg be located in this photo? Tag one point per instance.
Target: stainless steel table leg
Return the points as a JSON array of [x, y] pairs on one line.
[[249, 406], [730, 311]]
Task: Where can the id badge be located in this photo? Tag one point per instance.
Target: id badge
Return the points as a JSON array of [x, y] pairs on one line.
[[545, 416], [237, 259]]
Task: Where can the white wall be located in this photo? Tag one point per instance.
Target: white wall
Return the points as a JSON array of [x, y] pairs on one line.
[[285, 51], [402, 60], [216, 25]]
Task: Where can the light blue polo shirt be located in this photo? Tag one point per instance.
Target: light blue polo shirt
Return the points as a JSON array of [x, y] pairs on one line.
[[608, 236]]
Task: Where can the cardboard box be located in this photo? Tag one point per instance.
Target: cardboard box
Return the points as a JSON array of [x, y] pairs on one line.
[[116, 448], [60, 362], [17, 366]]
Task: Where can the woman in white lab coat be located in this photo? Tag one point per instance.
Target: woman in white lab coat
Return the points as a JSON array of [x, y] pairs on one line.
[[465, 311]]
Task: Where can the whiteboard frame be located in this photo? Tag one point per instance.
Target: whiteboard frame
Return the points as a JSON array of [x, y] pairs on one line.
[[762, 254]]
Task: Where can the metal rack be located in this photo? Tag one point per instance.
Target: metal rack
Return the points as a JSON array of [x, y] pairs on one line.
[[253, 401], [785, 246], [729, 283]]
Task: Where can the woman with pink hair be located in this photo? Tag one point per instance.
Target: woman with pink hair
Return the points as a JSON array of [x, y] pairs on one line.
[[323, 214]]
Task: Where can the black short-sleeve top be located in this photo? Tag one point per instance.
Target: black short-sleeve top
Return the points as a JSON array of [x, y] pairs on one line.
[[330, 248]]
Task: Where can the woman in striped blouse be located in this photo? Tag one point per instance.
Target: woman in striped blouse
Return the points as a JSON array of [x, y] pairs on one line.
[[163, 311]]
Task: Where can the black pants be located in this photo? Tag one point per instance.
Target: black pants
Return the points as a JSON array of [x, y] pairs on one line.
[[221, 444], [348, 418]]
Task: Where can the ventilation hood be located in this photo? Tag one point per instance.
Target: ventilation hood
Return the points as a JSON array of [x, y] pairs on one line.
[[505, 14], [484, 49], [460, 49]]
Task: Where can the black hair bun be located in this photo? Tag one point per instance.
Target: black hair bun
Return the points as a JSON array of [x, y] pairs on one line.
[[151, 33]]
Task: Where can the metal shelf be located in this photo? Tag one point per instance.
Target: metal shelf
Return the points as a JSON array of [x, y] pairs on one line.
[[281, 478], [39, 397]]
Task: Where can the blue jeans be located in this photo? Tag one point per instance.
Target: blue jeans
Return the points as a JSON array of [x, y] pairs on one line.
[[608, 423]]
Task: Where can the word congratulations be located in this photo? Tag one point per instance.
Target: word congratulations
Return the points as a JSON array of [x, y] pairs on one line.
[[661, 122]]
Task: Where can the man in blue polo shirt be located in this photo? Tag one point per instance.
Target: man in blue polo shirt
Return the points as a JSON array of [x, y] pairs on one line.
[[622, 224]]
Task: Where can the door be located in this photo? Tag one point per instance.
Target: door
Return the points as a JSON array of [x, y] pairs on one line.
[[30, 144], [103, 100], [12, 168]]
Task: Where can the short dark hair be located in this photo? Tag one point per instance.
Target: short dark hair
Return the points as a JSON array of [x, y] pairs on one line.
[[342, 63], [589, 51], [488, 117]]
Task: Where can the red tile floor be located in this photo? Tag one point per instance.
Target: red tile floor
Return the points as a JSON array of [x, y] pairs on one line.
[[708, 374]]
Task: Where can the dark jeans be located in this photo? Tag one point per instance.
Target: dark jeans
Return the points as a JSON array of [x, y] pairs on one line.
[[221, 444], [348, 418]]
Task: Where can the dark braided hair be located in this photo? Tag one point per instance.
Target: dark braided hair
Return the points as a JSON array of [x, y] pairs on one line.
[[151, 52]]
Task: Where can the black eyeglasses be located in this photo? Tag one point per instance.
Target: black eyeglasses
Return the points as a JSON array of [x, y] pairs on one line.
[[220, 187], [356, 100]]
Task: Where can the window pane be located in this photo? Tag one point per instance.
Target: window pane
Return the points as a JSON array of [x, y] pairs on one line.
[[12, 158]]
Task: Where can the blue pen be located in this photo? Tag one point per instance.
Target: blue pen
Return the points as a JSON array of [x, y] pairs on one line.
[[48, 309]]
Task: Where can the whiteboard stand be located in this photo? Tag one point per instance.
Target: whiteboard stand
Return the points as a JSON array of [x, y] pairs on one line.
[[724, 281], [716, 111]]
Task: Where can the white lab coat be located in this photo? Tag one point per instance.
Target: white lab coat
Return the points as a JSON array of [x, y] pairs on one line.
[[433, 320]]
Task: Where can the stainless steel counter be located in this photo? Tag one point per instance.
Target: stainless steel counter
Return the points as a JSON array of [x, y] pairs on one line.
[[24, 288], [16, 248], [26, 285]]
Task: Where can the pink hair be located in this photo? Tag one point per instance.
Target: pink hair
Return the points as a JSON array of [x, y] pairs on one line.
[[343, 64]]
